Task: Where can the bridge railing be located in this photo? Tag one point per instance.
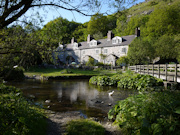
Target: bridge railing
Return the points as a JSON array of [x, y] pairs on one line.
[[169, 72]]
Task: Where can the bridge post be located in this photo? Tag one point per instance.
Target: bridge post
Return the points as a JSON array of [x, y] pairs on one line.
[[158, 71], [166, 71], [153, 69], [175, 73], [140, 68]]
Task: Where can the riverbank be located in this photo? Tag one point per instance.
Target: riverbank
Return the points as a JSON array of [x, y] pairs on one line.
[[50, 72], [58, 123]]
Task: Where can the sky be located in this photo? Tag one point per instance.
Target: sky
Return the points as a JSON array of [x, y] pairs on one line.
[[51, 14]]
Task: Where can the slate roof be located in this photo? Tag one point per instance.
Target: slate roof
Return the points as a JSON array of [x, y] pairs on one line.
[[103, 43]]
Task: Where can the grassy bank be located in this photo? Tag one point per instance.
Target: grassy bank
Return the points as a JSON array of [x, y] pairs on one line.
[[66, 72], [17, 115], [84, 127]]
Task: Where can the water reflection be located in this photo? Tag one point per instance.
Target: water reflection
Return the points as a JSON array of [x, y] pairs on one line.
[[73, 95]]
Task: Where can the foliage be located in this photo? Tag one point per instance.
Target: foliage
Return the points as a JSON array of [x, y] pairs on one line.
[[122, 61], [15, 74], [129, 81], [84, 127], [152, 113], [140, 52], [90, 62], [19, 46], [101, 24], [17, 116]]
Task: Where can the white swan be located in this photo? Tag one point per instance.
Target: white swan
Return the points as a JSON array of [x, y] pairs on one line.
[[111, 93]]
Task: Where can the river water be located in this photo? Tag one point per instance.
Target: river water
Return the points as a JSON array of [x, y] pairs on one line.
[[72, 95]]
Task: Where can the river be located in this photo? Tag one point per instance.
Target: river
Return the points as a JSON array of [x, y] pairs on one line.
[[72, 95]]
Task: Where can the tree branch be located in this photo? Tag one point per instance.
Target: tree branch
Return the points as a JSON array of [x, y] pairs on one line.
[[55, 5]]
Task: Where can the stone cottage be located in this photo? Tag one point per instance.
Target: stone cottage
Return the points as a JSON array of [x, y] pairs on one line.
[[103, 50]]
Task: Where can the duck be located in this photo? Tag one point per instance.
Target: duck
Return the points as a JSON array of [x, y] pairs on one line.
[[111, 93], [47, 101]]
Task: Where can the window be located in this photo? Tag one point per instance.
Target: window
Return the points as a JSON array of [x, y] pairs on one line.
[[124, 50], [93, 43], [97, 51], [105, 50], [117, 40]]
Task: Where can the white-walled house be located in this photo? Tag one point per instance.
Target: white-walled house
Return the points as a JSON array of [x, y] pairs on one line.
[[111, 48]]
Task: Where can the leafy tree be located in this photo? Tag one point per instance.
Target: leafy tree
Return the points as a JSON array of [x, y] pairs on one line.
[[80, 33], [59, 30], [165, 47], [140, 51], [18, 47], [164, 20], [122, 61], [90, 62], [101, 24]]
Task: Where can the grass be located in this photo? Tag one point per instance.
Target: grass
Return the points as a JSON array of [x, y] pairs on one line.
[[66, 72], [84, 127]]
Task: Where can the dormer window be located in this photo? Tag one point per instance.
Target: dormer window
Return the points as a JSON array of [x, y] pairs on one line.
[[117, 40], [93, 43], [75, 45]]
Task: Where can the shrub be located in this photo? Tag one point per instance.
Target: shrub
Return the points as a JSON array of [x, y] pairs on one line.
[[93, 80], [129, 80], [103, 80], [153, 113], [13, 74], [17, 116]]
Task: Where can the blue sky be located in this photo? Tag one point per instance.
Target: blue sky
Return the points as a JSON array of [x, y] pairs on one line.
[[50, 14]]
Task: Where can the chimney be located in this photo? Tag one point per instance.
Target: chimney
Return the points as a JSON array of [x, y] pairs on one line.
[[73, 40], [88, 38], [137, 32], [110, 35]]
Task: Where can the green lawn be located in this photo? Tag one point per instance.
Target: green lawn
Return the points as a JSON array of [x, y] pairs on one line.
[[66, 72]]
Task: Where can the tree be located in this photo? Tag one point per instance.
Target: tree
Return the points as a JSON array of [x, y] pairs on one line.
[[122, 61], [12, 10], [101, 24], [140, 51], [165, 47], [19, 47], [164, 20]]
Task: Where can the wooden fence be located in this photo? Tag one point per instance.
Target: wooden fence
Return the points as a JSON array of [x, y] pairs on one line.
[[167, 72]]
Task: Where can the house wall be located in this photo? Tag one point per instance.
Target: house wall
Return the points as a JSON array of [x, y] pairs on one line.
[[82, 56]]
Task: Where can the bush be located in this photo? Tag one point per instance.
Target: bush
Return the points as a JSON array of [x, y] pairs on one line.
[[129, 80], [17, 116], [9, 74], [153, 113]]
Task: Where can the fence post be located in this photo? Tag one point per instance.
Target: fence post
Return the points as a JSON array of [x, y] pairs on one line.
[[136, 69], [166, 71], [176, 72], [153, 69], [158, 71], [140, 68], [148, 69]]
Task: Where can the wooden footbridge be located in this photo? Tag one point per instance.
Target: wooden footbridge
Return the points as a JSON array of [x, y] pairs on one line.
[[167, 72]]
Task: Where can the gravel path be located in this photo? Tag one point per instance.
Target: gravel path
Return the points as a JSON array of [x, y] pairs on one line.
[[57, 122]]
